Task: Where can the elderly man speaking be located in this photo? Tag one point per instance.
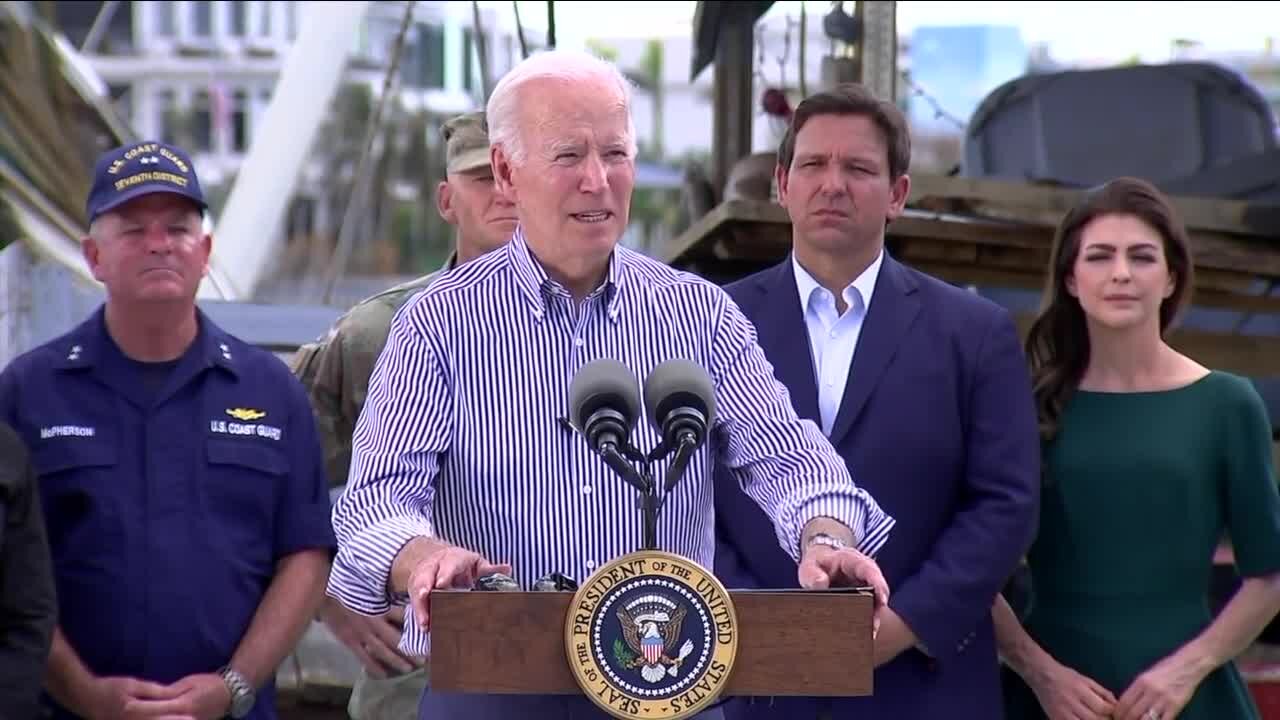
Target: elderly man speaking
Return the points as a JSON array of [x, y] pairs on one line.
[[460, 465]]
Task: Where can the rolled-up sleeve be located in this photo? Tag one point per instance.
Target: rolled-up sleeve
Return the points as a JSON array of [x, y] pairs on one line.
[[405, 425], [782, 461]]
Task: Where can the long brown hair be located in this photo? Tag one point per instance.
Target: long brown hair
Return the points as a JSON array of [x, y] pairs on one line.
[[1057, 344]]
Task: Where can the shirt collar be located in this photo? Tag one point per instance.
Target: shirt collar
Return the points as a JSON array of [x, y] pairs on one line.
[[87, 345], [860, 289], [537, 287]]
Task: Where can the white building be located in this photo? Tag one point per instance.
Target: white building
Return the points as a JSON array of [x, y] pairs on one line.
[[201, 73], [214, 64]]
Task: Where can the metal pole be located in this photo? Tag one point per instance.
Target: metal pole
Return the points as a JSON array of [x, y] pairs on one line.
[[100, 24], [551, 23], [482, 48], [524, 46], [879, 51], [358, 198], [804, 43], [649, 504]]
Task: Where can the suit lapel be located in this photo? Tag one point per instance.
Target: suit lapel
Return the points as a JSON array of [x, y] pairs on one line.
[[785, 339], [893, 308]]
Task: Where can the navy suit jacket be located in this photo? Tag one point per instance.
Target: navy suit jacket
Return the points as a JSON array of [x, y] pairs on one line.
[[938, 423]]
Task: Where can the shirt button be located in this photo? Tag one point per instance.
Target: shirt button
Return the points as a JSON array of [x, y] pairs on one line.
[[579, 342], [591, 564], [586, 489]]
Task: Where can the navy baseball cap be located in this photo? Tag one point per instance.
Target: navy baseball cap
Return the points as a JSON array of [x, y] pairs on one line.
[[130, 171]]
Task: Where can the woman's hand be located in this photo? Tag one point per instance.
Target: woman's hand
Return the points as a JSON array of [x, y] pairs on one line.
[[1161, 692], [1065, 694]]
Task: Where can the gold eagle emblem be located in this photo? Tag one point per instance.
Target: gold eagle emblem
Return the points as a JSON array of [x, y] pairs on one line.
[[650, 636], [246, 414]]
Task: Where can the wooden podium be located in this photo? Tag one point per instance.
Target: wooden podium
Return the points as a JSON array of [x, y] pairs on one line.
[[788, 642], [651, 635]]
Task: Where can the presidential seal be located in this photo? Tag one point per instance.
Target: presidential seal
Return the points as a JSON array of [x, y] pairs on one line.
[[651, 635]]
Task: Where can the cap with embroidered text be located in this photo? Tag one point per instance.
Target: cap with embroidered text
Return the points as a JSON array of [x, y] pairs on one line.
[[466, 140], [131, 171]]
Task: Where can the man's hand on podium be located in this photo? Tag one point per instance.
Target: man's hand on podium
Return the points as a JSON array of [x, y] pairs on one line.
[[373, 640], [447, 567], [823, 566]]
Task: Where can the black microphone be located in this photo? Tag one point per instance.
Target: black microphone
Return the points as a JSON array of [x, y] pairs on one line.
[[604, 402], [682, 405], [604, 405], [681, 401]]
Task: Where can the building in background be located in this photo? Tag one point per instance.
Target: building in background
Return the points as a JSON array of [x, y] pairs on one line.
[[201, 73], [208, 68]]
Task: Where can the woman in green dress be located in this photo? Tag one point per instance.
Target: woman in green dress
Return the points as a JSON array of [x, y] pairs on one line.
[[1149, 458]]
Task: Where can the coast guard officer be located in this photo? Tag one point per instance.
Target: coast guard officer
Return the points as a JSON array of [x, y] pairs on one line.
[[180, 473]]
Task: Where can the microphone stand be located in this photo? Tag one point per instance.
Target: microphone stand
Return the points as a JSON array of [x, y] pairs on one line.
[[641, 479], [684, 453], [633, 466]]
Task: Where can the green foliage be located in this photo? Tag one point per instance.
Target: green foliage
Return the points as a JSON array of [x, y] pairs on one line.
[[620, 653], [601, 50]]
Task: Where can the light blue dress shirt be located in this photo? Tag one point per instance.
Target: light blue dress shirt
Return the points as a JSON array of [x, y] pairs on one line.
[[834, 337]]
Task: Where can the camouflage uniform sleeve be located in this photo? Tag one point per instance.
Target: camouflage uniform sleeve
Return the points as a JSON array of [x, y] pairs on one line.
[[336, 373]]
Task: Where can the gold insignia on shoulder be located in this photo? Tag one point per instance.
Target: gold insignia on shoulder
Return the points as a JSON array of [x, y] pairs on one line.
[[246, 414], [652, 636]]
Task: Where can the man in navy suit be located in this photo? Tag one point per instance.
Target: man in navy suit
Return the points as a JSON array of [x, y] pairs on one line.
[[924, 390]]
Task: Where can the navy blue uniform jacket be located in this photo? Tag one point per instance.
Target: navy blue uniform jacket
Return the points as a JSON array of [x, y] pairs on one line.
[[168, 502]]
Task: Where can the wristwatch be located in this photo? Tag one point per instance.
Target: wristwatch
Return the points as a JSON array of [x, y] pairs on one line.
[[242, 693], [830, 541]]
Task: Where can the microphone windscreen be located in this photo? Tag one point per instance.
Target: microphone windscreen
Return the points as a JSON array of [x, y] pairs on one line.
[[603, 383], [678, 383]]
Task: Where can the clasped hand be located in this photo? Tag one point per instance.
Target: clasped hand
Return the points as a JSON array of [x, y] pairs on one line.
[[1157, 694], [195, 697], [824, 567], [373, 640], [448, 567]]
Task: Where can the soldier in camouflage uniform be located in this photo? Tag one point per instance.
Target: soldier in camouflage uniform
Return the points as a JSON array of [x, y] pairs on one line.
[[336, 372]]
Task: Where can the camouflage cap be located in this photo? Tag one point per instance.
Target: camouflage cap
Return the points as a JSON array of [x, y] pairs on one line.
[[466, 139]]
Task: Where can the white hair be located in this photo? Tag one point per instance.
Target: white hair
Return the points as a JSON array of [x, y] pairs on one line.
[[503, 109]]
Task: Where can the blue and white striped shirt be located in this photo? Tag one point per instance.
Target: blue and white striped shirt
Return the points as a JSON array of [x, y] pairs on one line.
[[460, 439]]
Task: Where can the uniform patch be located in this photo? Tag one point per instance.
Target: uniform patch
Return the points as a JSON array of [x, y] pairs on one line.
[[246, 414], [67, 431], [225, 427], [651, 635]]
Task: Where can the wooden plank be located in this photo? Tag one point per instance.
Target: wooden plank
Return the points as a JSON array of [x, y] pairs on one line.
[[1227, 281], [1249, 355], [733, 98], [1046, 205], [703, 229], [1223, 252], [761, 230], [994, 274], [752, 235], [791, 643], [917, 224]]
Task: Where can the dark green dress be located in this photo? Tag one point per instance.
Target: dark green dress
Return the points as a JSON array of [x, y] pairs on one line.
[[1139, 489]]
